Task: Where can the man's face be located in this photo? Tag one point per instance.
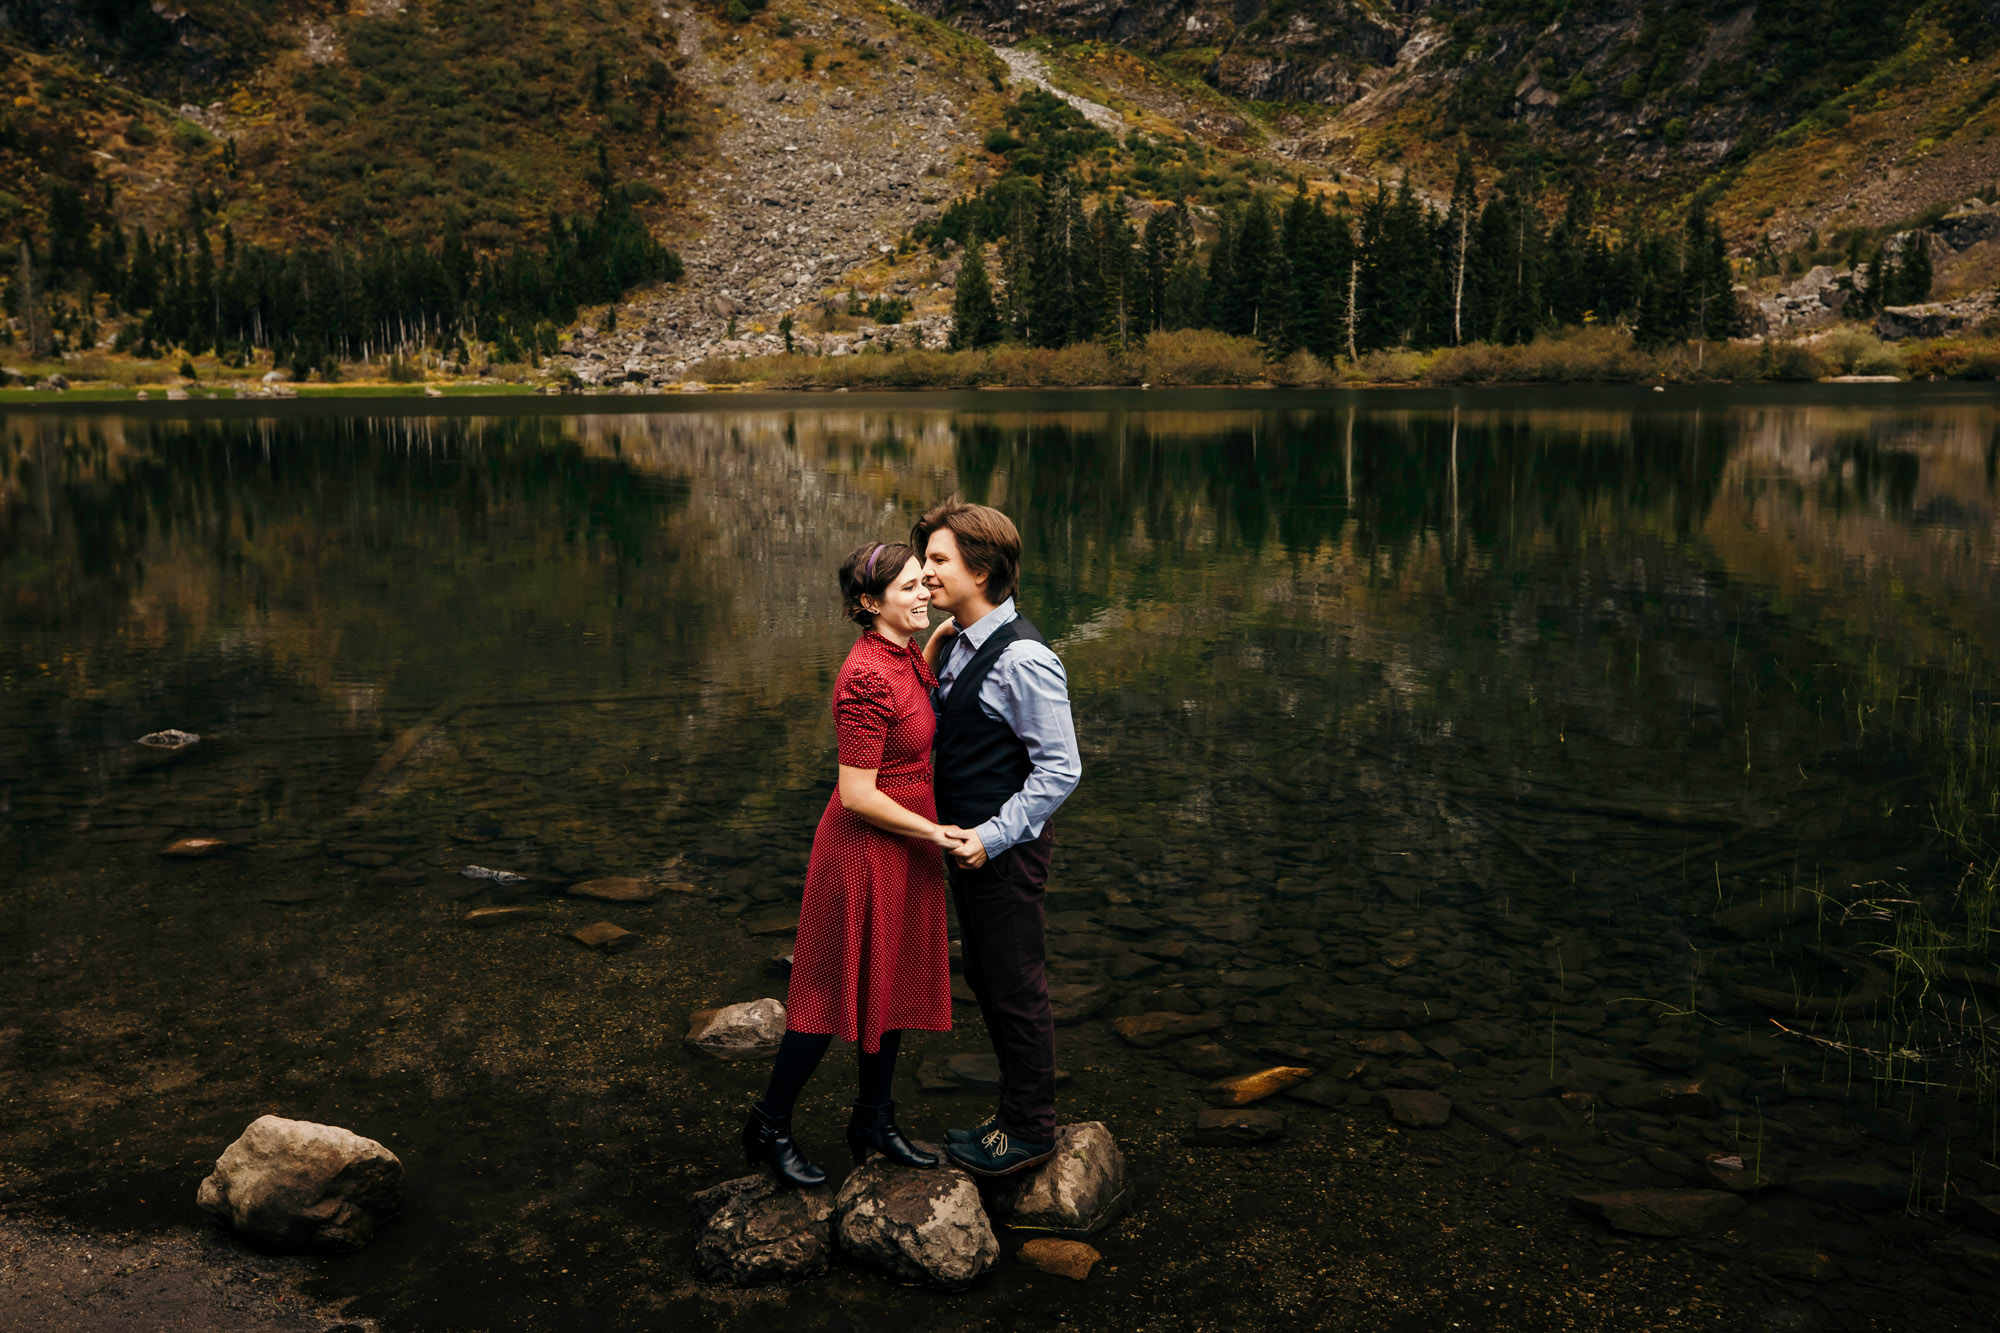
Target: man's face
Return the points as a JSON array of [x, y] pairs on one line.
[[952, 584]]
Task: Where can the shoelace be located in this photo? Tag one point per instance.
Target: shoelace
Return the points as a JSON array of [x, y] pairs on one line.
[[995, 1142]]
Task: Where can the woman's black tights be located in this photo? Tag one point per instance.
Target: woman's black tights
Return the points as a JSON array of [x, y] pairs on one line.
[[800, 1053]]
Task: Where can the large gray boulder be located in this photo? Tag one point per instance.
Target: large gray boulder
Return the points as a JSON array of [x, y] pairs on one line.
[[296, 1185], [1079, 1191], [736, 1031], [925, 1226], [755, 1230]]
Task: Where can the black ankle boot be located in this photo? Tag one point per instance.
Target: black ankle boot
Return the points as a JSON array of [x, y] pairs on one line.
[[767, 1141], [875, 1127]]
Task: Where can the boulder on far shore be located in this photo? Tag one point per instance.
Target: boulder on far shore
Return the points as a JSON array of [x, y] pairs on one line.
[[923, 1225], [296, 1185]]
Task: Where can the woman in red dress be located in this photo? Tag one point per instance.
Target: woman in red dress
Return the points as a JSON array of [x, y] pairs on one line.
[[870, 959]]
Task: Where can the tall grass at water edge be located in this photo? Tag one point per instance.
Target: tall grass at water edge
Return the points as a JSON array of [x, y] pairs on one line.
[[1201, 357]]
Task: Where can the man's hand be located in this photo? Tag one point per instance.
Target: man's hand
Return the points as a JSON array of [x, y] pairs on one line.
[[971, 852]]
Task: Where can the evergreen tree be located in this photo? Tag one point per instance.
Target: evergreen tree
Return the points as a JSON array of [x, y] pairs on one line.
[[1221, 283], [1255, 253], [975, 320]]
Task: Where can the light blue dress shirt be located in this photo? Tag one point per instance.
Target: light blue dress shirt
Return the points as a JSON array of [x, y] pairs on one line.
[[1029, 691]]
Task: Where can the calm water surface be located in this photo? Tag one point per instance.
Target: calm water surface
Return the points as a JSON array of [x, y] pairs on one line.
[[1478, 720]]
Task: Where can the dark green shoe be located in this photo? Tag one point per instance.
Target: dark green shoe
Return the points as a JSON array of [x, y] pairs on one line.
[[973, 1135], [999, 1154]]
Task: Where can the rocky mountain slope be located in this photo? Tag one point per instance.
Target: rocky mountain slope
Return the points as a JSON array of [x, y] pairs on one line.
[[786, 150]]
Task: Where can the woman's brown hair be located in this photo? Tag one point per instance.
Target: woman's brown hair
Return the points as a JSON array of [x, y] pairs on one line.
[[867, 572], [987, 539]]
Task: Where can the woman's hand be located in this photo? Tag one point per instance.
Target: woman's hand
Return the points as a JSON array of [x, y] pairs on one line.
[[948, 836]]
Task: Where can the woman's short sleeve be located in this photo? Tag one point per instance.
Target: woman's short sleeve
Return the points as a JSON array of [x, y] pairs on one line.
[[864, 706]]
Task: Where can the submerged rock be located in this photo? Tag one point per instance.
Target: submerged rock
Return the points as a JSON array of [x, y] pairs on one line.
[[1222, 1129], [493, 916], [1664, 1098], [1659, 1212], [1149, 1030], [755, 1230], [1422, 1110], [193, 847], [604, 935], [1255, 1087], [170, 739], [750, 1028], [1065, 1258], [299, 1185], [496, 876], [1863, 1186], [923, 1225], [616, 889], [1074, 1002], [1079, 1191]]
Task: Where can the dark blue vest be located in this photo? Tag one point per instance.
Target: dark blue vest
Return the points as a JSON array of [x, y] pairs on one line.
[[979, 762]]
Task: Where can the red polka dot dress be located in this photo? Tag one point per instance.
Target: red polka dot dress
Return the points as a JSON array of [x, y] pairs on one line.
[[871, 956]]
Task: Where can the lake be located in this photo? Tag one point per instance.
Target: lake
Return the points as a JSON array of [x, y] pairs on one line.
[[1619, 765]]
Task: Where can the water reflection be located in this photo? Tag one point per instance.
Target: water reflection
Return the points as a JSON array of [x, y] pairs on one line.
[[1471, 720]]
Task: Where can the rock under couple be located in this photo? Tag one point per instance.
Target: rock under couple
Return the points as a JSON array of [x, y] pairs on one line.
[[871, 957]]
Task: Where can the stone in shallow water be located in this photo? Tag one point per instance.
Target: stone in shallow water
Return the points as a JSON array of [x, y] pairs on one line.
[[295, 1185], [1800, 1265], [1065, 1258], [1080, 1190], [1248, 1088], [968, 1069], [615, 889], [1388, 1043], [775, 923], [1677, 1056], [750, 1028], [1073, 1002], [1686, 1098], [493, 916], [496, 876], [604, 935], [1659, 1212], [1418, 1109], [755, 1230], [170, 739], [1149, 1030], [1204, 1059], [1864, 1186], [193, 847], [923, 1225], [1220, 1128]]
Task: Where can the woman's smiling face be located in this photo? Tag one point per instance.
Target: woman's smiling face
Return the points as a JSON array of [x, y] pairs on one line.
[[906, 603]]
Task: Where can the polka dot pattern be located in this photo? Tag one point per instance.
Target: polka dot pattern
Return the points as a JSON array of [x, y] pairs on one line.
[[870, 956]]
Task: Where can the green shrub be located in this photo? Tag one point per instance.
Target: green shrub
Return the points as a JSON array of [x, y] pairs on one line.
[[1199, 356], [737, 12], [1858, 352], [190, 137], [139, 134], [1789, 361]]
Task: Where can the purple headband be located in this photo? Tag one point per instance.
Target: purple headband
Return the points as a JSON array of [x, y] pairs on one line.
[[868, 566]]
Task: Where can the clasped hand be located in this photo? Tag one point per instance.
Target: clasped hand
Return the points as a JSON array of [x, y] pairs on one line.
[[963, 845]]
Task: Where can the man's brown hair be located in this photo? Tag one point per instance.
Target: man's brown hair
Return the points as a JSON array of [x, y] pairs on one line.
[[987, 539]]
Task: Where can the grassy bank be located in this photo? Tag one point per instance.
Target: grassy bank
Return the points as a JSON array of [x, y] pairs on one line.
[[1188, 358], [1201, 357]]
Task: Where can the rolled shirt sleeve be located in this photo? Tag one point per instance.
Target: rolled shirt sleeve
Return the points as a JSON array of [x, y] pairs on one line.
[[1029, 690]]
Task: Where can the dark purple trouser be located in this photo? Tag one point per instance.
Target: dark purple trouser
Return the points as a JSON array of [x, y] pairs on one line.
[[1000, 924]]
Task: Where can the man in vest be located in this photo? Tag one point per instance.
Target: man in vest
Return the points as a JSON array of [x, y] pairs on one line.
[[1006, 757]]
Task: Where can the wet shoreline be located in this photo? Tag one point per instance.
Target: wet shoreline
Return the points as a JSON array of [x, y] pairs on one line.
[[1480, 756]]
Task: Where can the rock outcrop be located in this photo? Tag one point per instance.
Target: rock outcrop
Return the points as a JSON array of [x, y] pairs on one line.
[[925, 1226], [296, 1185], [755, 1230]]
